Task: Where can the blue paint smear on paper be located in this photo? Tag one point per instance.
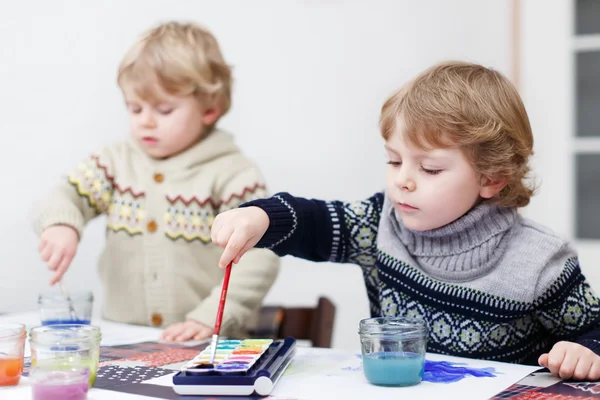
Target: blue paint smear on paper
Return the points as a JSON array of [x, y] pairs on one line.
[[447, 372]]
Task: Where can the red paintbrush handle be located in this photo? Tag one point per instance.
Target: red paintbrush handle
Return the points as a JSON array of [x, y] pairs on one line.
[[222, 301]]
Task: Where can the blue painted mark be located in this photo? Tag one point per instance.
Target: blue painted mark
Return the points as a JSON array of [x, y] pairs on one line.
[[447, 372]]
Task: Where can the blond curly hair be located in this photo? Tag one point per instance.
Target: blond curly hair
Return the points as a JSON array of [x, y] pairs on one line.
[[182, 59], [474, 108]]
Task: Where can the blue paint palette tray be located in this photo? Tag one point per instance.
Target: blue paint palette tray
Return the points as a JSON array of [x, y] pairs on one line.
[[241, 367]]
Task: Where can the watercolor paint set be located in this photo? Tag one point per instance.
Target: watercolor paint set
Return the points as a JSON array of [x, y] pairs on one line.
[[241, 367]]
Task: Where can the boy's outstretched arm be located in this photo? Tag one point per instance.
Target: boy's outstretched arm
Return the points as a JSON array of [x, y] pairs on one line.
[[315, 230]]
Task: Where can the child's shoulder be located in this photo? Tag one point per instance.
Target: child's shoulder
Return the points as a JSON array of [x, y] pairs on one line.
[[541, 251], [224, 151], [536, 241], [114, 150], [109, 156], [534, 232]]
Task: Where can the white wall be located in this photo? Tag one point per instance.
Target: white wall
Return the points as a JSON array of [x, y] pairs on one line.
[[547, 90], [311, 77]]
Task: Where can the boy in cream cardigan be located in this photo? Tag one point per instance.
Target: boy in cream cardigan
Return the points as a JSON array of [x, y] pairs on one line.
[[160, 191]]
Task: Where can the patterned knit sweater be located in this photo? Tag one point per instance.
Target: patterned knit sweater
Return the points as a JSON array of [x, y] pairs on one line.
[[159, 265], [491, 285]]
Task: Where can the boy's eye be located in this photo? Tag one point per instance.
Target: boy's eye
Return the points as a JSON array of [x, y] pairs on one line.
[[135, 109], [395, 163], [164, 110], [431, 171]]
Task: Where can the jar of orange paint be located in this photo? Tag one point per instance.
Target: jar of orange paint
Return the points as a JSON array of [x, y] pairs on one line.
[[12, 351]]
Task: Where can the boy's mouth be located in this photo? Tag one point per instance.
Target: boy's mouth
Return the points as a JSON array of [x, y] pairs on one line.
[[149, 139], [407, 207]]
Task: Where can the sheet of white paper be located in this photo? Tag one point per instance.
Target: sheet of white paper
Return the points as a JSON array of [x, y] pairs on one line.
[[114, 334], [165, 380], [320, 374]]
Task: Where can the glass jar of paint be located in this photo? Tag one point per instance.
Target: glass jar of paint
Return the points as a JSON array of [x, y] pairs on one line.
[[55, 308], [71, 384], [12, 351], [393, 350], [66, 347]]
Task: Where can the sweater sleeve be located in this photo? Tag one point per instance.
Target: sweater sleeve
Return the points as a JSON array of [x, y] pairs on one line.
[[318, 230], [84, 193], [566, 304], [256, 272]]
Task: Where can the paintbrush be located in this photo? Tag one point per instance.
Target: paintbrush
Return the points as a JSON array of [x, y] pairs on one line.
[[72, 314], [217, 331]]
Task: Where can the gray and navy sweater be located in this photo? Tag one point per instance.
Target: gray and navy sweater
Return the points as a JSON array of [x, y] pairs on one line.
[[491, 285]]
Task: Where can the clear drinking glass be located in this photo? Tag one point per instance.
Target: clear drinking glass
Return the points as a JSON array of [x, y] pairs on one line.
[[393, 350], [55, 308], [12, 351], [65, 347]]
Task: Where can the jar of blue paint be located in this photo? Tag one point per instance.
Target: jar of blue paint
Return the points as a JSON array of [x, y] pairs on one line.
[[393, 350], [55, 308]]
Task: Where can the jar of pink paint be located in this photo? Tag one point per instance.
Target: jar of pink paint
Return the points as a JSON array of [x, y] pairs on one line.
[[71, 384]]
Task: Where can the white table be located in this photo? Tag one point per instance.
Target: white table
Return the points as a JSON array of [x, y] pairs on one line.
[[314, 373]]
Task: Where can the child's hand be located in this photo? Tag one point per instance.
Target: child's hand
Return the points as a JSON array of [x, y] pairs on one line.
[[238, 231], [188, 330], [58, 245], [572, 360]]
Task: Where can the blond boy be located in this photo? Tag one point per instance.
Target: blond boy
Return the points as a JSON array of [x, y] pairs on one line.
[[445, 241], [160, 191]]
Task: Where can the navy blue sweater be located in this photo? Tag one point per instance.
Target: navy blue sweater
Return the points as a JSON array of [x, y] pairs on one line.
[[464, 319]]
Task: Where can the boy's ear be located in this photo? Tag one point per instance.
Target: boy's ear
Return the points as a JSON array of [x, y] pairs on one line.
[[490, 187], [210, 116]]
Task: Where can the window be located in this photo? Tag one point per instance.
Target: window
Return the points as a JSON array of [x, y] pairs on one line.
[[587, 118]]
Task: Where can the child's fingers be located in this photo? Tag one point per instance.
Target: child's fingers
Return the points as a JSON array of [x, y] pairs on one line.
[[249, 244], [46, 252], [233, 247], [56, 277], [216, 227], [187, 334], [42, 245], [204, 333], [55, 259], [594, 373], [543, 360], [567, 368], [173, 331], [166, 334], [555, 360], [64, 264], [582, 368], [223, 235], [239, 243]]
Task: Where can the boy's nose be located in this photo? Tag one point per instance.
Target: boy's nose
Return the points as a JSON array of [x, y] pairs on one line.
[[405, 182], [147, 120], [409, 185]]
